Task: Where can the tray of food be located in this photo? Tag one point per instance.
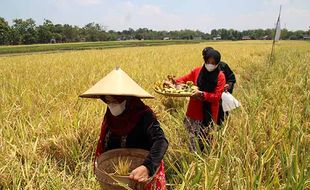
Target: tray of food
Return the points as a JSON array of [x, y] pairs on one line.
[[175, 90]]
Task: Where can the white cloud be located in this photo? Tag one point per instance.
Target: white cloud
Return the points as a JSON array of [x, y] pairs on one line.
[[150, 10], [128, 14], [122, 14], [295, 18], [277, 2], [79, 2], [89, 2]]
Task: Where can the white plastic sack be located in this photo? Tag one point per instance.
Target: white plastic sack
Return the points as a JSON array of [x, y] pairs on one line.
[[229, 102]]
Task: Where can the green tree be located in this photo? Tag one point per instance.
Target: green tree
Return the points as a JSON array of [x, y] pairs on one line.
[[24, 31], [70, 33], [94, 32], [214, 33], [45, 32], [4, 32]]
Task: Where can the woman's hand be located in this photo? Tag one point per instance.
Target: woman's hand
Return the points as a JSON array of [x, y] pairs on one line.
[[171, 78], [168, 83], [197, 94], [140, 174], [226, 87]]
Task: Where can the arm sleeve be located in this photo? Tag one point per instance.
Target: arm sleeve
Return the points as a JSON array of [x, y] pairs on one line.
[[158, 149], [188, 77], [217, 94], [229, 74]]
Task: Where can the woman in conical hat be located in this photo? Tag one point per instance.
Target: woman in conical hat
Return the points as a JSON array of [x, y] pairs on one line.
[[129, 123]]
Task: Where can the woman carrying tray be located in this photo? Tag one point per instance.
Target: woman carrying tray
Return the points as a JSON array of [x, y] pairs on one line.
[[129, 123], [203, 107]]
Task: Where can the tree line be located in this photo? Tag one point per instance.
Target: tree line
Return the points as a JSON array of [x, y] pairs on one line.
[[26, 31]]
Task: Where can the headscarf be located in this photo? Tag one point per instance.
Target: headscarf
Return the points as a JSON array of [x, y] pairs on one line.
[[205, 51]]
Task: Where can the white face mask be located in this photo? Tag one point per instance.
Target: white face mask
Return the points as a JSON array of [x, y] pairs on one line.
[[210, 67], [117, 109]]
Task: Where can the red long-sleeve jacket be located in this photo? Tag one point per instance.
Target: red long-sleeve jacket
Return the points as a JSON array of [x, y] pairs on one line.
[[194, 109]]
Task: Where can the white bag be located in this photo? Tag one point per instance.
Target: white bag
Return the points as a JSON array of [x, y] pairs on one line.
[[229, 102]]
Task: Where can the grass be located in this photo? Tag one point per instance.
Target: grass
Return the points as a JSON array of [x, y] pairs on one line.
[[18, 49], [48, 134]]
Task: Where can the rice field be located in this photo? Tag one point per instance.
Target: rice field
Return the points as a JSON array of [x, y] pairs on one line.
[[52, 48], [48, 134]]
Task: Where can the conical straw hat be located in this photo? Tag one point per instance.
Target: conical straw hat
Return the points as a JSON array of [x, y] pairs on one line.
[[117, 82]]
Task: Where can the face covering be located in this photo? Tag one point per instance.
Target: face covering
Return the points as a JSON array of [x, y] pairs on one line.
[[117, 109], [210, 67]]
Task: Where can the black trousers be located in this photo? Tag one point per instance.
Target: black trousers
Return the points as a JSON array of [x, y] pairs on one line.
[[221, 115]]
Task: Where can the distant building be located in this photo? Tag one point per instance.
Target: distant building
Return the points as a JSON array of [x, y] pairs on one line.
[[306, 37], [197, 38], [217, 38], [166, 38], [53, 41], [246, 38], [121, 38], [266, 38]]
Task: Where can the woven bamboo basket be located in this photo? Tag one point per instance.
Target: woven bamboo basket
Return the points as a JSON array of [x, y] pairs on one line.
[[104, 169]]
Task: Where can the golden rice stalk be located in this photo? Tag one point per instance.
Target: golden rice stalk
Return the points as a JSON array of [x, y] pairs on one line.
[[122, 166]]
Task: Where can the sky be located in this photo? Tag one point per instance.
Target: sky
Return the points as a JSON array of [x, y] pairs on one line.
[[203, 15]]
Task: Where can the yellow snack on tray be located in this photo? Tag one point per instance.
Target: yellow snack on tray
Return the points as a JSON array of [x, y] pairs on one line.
[[173, 89]]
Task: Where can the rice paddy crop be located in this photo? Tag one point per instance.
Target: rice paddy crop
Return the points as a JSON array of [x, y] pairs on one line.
[[48, 135]]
